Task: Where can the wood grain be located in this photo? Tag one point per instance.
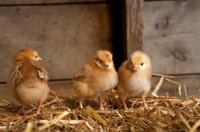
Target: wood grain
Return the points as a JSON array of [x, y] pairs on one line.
[[191, 83], [65, 36], [64, 88], [171, 36], [133, 25], [21, 2]]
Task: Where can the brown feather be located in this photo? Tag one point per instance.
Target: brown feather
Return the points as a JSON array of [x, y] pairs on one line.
[[94, 79], [14, 76], [134, 76], [83, 75], [28, 78]]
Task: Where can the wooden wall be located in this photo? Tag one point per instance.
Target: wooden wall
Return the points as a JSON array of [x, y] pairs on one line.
[[67, 35], [32, 2], [171, 38]]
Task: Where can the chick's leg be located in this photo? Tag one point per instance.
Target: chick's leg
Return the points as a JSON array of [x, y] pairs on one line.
[[144, 93], [144, 101], [80, 100], [100, 104], [124, 103], [22, 111], [38, 107]]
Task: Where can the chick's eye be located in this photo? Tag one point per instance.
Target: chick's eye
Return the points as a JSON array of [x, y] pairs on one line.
[[36, 56], [100, 61], [142, 64]]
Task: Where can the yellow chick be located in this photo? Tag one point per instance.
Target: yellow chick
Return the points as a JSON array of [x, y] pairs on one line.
[[134, 77], [96, 78], [28, 79]]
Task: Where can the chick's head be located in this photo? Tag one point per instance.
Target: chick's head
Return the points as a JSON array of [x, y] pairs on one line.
[[103, 59], [139, 61], [26, 54]]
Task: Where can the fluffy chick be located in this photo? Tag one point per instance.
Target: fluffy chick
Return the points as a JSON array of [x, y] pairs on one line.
[[28, 79], [134, 77], [96, 78]]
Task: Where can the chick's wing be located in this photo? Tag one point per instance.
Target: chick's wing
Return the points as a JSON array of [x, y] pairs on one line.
[[84, 75], [15, 76], [42, 72]]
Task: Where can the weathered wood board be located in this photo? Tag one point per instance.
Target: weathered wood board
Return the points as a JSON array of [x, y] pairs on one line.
[[10, 2], [66, 36], [171, 36], [191, 83], [133, 25], [64, 88]]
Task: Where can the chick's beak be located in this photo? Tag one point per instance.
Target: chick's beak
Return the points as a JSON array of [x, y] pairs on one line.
[[39, 58], [135, 67], [106, 65]]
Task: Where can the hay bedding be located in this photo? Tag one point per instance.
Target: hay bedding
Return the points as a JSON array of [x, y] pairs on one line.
[[61, 114]]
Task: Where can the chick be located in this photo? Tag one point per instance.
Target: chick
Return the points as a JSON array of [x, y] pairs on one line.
[[28, 79], [134, 77], [96, 78]]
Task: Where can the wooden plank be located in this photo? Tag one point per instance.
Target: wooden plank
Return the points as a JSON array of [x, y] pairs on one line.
[[66, 37], [11, 2], [6, 93], [133, 25], [171, 36], [191, 83], [166, 87], [64, 88], [162, 0], [175, 54]]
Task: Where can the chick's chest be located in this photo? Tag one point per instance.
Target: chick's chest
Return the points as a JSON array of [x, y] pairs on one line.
[[108, 79], [137, 82]]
